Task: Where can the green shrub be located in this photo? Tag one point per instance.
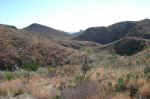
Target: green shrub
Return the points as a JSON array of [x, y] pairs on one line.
[[119, 86], [147, 70], [31, 67], [120, 81], [129, 76], [10, 76], [110, 84]]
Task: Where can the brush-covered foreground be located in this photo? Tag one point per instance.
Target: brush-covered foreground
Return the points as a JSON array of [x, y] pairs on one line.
[[98, 83], [109, 76]]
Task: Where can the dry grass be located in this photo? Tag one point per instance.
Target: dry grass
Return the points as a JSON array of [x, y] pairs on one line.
[[145, 89], [121, 96], [37, 86], [135, 85], [82, 91], [98, 86]]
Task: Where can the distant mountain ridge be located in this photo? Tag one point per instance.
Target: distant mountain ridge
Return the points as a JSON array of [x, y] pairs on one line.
[[116, 31], [42, 30]]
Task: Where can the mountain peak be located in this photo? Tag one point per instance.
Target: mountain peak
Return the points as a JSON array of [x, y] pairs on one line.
[[37, 25], [46, 31]]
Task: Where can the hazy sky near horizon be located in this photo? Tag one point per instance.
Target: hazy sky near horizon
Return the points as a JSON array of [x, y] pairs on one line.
[[72, 15]]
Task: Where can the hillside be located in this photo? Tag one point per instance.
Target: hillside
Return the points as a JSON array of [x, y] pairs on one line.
[[33, 67], [127, 46], [41, 30], [18, 47], [116, 31]]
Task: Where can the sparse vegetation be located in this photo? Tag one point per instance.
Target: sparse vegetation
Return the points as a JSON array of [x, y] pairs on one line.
[[43, 68]]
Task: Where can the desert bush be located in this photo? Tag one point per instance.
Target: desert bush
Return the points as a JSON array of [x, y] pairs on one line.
[[129, 76], [120, 81], [10, 76], [110, 84], [147, 70], [119, 86], [31, 67]]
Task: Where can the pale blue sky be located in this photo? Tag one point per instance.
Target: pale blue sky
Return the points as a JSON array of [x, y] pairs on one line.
[[72, 15]]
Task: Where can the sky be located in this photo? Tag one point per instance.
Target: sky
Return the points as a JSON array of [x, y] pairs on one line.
[[72, 15]]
